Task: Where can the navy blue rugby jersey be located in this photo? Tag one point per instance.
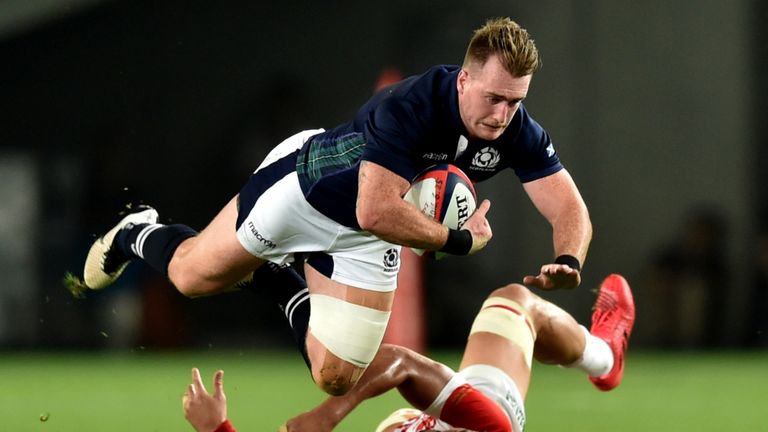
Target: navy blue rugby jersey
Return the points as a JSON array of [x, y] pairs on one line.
[[408, 127]]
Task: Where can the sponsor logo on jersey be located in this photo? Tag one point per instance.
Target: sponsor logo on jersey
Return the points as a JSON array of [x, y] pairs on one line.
[[263, 240], [391, 260], [486, 159], [435, 156]]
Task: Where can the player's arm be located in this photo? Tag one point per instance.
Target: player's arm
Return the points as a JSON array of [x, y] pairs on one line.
[[558, 199], [416, 377], [382, 212]]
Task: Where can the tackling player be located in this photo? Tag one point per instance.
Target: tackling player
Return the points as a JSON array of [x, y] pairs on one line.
[[336, 195], [513, 327]]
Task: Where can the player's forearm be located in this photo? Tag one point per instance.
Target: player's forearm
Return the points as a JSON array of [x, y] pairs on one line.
[[396, 221], [381, 211], [572, 232], [558, 199], [401, 223], [418, 379], [386, 371]]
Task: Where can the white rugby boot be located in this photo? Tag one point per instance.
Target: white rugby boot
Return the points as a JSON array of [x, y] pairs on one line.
[[104, 264]]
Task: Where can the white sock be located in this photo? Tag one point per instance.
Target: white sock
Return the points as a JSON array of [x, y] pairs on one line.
[[597, 358]]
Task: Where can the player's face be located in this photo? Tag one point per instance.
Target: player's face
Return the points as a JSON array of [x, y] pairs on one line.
[[489, 96]]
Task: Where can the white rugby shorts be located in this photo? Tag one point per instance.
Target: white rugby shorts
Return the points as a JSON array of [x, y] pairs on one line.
[[497, 385], [275, 222]]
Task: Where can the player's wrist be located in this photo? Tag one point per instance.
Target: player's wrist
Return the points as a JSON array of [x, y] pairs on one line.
[[569, 260], [459, 242], [225, 426]]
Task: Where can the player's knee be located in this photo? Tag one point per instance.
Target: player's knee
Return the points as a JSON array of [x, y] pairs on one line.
[[517, 293], [188, 283], [342, 341], [507, 313], [534, 305], [336, 380], [183, 283]]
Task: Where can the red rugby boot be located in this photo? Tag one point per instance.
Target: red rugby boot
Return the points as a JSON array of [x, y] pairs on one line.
[[612, 319]]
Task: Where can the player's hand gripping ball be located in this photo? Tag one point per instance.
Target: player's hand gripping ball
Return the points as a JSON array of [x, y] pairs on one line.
[[444, 193]]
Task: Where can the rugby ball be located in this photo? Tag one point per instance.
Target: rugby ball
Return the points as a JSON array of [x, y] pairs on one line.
[[444, 193]]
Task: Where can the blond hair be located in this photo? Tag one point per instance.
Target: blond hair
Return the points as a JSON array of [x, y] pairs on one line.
[[510, 42]]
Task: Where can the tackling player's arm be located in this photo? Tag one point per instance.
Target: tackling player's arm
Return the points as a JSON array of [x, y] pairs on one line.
[[558, 199], [424, 383], [382, 212], [418, 379]]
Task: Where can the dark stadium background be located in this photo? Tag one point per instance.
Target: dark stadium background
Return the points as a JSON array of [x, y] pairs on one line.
[[658, 110]]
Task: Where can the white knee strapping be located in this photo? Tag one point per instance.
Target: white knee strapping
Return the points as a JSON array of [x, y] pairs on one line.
[[351, 332], [507, 319]]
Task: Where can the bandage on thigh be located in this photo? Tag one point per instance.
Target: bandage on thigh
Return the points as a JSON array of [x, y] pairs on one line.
[[509, 320], [351, 332]]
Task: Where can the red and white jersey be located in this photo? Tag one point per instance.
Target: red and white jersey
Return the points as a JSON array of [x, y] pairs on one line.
[[488, 400], [411, 420], [422, 422]]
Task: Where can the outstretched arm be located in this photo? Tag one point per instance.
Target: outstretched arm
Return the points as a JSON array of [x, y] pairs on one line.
[[558, 199], [417, 378]]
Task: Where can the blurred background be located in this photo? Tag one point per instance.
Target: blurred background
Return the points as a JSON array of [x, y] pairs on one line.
[[656, 108]]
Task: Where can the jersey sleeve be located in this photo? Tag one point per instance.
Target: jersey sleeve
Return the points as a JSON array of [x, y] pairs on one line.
[[393, 132], [536, 157], [226, 426]]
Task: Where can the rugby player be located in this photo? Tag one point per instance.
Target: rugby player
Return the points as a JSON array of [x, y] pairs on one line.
[[514, 326], [335, 196]]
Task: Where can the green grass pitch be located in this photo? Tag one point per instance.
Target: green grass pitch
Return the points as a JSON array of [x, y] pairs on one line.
[[142, 392]]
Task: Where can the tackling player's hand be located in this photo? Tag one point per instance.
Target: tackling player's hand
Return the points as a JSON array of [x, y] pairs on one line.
[[479, 227], [555, 276], [205, 412]]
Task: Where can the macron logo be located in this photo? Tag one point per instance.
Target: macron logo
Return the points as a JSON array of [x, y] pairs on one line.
[[267, 242]]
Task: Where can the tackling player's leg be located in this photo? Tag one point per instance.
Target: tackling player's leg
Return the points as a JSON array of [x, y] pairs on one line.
[[514, 325], [612, 320]]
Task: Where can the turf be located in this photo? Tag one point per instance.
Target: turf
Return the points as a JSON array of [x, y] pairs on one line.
[[142, 392]]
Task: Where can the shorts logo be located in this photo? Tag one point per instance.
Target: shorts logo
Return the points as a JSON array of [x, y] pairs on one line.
[[391, 260], [263, 240], [486, 159]]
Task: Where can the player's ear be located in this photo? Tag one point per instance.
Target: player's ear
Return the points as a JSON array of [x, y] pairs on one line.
[[461, 82]]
